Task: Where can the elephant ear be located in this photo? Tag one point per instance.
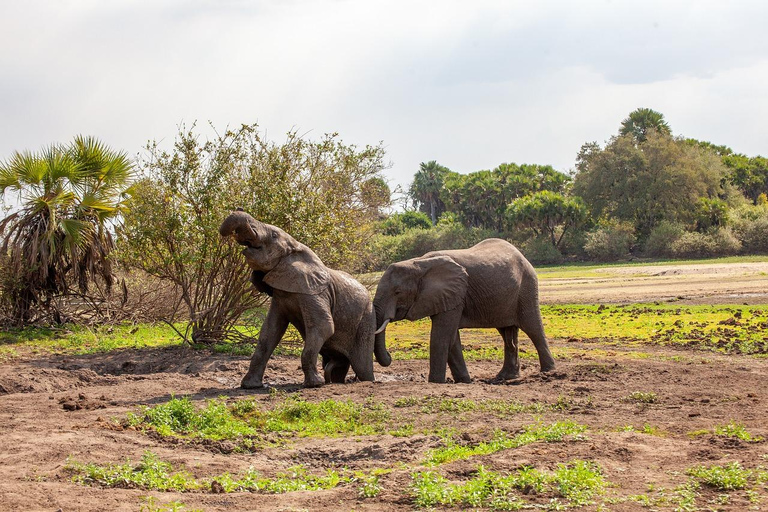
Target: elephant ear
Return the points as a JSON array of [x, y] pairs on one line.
[[299, 272], [442, 287]]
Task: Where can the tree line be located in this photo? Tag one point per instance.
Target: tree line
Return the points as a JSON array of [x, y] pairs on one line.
[[95, 236], [645, 192]]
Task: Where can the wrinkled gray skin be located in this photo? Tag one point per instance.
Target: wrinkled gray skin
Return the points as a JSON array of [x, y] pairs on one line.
[[488, 285], [331, 310]]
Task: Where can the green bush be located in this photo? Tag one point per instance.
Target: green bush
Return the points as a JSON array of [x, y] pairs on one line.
[[610, 241], [750, 225], [719, 242], [399, 223], [383, 250], [539, 250], [662, 237]]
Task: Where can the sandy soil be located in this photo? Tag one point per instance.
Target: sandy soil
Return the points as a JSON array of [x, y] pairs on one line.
[[735, 283], [55, 407]]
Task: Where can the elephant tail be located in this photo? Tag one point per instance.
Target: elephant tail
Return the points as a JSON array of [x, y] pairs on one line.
[[380, 351]]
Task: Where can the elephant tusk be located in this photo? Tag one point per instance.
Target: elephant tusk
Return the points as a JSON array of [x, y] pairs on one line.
[[383, 326]]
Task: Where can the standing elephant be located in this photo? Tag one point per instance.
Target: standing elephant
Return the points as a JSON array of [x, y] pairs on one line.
[[331, 310], [488, 285]]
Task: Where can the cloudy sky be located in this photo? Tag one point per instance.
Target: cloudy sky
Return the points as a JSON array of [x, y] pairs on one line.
[[470, 84]]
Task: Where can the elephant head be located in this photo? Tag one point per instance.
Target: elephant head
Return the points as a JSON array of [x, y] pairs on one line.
[[418, 288], [278, 261]]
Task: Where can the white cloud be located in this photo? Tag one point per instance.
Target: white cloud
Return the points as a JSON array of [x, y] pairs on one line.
[[470, 84]]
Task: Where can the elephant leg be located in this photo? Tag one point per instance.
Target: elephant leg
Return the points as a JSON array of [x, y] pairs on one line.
[[445, 327], [456, 361], [511, 368], [531, 324], [318, 327], [335, 369], [271, 333]]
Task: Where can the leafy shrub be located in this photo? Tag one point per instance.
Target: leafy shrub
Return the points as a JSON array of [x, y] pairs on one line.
[[384, 250], [610, 242], [399, 223], [539, 250], [720, 242], [662, 237], [750, 225]]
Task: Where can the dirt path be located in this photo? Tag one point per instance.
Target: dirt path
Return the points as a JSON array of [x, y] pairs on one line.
[[53, 408], [735, 283]]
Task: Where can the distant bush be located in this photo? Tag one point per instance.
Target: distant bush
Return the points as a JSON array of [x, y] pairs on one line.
[[610, 241], [750, 225], [719, 242], [662, 237], [539, 250], [399, 223], [384, 250]]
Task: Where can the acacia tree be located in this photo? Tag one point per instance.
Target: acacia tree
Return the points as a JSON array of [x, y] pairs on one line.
[[58, 241], [548, 214], [319, 192]]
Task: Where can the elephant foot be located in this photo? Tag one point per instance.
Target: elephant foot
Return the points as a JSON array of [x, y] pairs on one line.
[[548, 368], [462, 379], [249, 382], [313, 381], [505, 376]]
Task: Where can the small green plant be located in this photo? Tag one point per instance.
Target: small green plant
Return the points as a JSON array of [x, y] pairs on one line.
[[643, 398], [532, 433], [369, 486], [736, 430], [724, 478], [150, 505]]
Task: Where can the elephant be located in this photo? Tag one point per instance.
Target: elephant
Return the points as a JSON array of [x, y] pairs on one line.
[[331, 310], [488, 285]]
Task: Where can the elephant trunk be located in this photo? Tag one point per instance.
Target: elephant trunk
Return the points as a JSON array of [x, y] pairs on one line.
[[246, 230]]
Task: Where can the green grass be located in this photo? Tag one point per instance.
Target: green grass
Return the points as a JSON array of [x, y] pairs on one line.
[[724, 328], [554, 432], [578, 483], [248, 423], [150, 505], [435, 404], [76, 340], [156, 475]]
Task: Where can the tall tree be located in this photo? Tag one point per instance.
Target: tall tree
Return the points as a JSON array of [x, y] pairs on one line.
[[640, 121], [58, 240], [426, 187], [660, 179], [547, 214]]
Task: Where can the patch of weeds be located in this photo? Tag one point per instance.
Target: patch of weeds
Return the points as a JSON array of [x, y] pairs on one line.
[[153, 474], [642, 397], [501, 441], [737, 431], [150, 505], [369, 487], [577, 482], [648, 429], [731, 477], [247, 423], [434, 404], [404, 430]]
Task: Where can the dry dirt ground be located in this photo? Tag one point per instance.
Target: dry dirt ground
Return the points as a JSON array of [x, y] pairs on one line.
[[56, 407]]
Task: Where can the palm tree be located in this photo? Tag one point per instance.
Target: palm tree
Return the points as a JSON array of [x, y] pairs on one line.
[[58, 239], [640, 121], [426, 187]]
